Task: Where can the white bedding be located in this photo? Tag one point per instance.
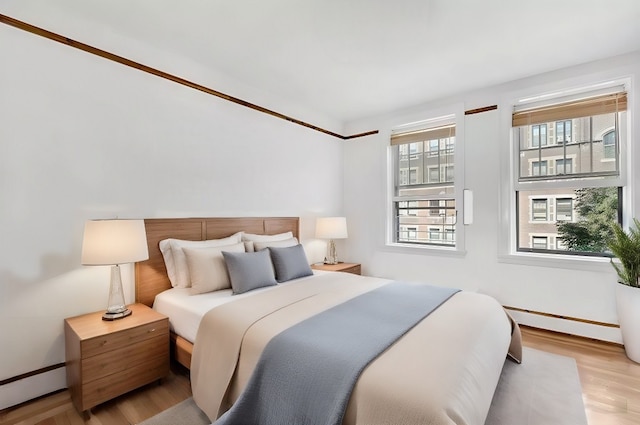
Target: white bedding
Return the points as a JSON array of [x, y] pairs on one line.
[[185, 311], [442, 372]]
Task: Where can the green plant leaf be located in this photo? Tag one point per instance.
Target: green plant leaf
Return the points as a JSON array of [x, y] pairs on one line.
[[625, 246]]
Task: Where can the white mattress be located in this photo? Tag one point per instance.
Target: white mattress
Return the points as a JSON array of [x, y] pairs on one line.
[[185, 311]]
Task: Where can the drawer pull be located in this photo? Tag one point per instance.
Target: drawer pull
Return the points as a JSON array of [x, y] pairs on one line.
[[152, 330]]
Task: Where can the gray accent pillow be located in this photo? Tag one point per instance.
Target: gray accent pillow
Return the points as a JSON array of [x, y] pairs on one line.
[[249, 270], [290, 262]]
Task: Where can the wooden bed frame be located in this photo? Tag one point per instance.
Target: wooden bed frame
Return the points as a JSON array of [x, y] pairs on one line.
[[151, 275]]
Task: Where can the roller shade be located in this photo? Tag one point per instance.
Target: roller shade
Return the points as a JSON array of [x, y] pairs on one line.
[[424, 134], [575, 109]]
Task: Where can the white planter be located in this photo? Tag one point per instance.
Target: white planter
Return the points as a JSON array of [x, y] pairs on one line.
[[628, 304]]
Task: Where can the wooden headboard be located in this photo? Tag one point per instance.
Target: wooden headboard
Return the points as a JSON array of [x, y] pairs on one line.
[[151, 275]]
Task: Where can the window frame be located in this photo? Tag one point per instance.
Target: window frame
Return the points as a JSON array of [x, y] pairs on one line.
[[453, 114], [509, 170]]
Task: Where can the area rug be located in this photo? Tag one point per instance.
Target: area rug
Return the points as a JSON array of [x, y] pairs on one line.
[[543, 390]]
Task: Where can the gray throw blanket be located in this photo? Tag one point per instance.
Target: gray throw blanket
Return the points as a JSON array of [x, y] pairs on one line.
[[306, 373]]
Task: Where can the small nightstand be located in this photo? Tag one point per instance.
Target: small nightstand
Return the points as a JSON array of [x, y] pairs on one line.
[[105, 359], [340, 267]]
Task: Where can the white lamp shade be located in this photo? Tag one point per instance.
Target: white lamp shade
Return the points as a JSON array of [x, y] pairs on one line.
[[109, 242], [331, 228]]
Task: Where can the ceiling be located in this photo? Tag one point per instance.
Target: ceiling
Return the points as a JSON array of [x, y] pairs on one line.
[[348, 59]]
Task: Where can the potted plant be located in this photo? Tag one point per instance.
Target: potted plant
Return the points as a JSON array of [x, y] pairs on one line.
[[626, 248]]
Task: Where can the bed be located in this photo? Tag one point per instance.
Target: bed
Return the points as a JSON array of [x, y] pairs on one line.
[[443, 371]]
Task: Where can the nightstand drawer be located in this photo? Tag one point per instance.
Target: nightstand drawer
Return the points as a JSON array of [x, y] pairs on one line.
[[108, 342], [129, 357], [101, 390]]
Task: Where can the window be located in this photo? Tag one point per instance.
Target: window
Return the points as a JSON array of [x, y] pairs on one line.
[[564, 209], [434, 174], [568, 193], [450, 235], [538, 135], [539, 209], [539, 168], [539, 242], [413, 176], [564, 166], [448, 173], [563, 131], [403, 177], [434, 209], [424, 205], [609, 144], [434, 147]]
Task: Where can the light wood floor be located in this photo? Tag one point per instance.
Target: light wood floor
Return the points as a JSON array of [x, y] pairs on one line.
[[610, 388]]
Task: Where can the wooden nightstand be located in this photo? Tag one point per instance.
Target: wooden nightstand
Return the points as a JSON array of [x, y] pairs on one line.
[[340, 267], [105, 359]]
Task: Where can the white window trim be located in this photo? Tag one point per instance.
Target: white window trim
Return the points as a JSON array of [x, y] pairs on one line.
[[507, 252], [457, 112]]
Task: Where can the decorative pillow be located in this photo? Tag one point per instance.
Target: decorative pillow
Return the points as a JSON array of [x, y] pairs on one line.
[[250, 239], [259, 246], [249, 270], [207, 269], [290, 262], [176, 262]]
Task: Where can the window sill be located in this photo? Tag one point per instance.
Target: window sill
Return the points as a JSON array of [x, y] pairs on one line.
[[424, 250], [598, 264]]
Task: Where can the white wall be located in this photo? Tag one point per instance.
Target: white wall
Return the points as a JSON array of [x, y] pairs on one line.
[[83, 138], [583, 291]]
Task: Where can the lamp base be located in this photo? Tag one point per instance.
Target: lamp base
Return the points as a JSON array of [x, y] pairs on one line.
[[118, 315], [332, 255]]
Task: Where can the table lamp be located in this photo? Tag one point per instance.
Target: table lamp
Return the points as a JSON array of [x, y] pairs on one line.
[[111, 243], [331, 228]]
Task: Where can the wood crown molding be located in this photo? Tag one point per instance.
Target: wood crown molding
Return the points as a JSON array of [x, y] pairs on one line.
[[158, 73], [480, 110]]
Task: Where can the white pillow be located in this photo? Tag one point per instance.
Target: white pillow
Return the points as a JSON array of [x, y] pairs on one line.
[[176, 262], [250, 239], [259, 246], [207, 269]]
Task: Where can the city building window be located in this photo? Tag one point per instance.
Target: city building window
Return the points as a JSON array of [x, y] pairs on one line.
[[563, 131], [538, 135], [539, 242], [539, 209], [564, 166], [430, 192], [450, 235], [434, 208], [564, 209], [539, 168], [413, 176], [434, 174], [609, 144], [565, 190], [434, 147]]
